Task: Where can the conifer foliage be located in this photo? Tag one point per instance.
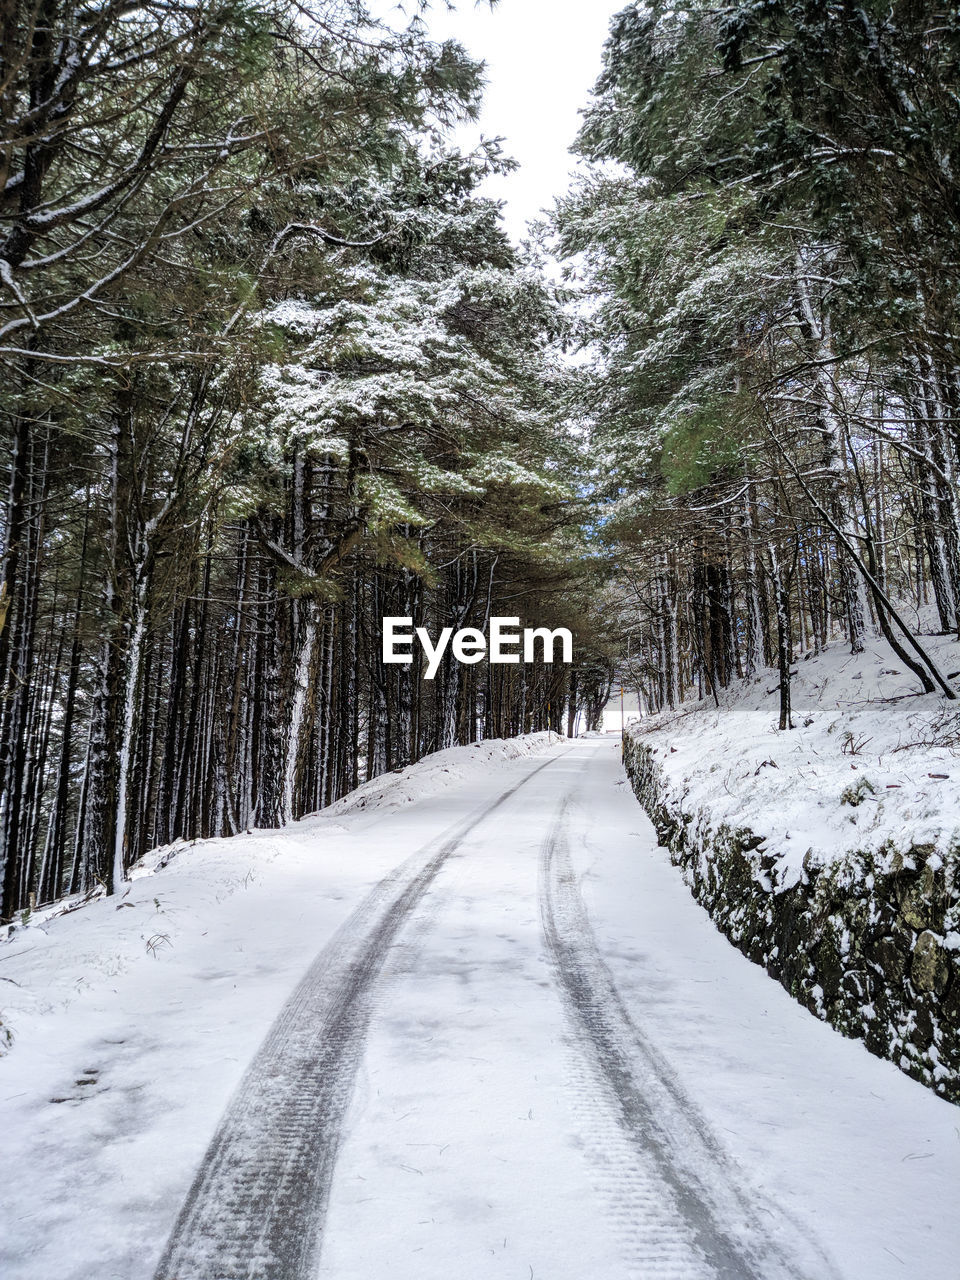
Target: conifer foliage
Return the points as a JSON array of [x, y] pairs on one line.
[[271, 371], [767, 232]]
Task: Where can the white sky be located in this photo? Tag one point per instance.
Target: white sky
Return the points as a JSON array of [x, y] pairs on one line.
[[543, 58]]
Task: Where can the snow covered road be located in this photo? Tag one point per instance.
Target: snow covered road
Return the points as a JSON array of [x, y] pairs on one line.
[[519, 1049]]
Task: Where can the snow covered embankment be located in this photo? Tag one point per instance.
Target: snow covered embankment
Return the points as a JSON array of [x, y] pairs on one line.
[[829, 854], [78, 945]]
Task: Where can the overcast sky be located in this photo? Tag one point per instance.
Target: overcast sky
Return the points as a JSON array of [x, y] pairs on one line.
[[543, 58]]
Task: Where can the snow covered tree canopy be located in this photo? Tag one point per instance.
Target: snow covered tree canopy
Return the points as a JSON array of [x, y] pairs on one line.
[[272, 371], [767, 237]]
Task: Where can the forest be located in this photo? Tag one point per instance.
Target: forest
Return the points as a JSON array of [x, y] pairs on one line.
[[273, 370], [768, 240]]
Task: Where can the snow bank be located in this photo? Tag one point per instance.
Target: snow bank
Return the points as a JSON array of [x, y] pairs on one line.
[[82, 941], [440, 770], [867, 765], [829, 853]]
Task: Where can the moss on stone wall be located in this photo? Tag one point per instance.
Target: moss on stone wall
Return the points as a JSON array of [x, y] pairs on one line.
[[868, 943]]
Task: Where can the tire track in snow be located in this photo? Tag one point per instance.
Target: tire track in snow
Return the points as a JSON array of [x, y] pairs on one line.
[[681, 1201], [653, 1237], [256, 1208]]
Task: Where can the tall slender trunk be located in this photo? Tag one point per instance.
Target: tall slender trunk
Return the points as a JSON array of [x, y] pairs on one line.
[[830, 428], [781, 595], [298, 706], [129, 695]]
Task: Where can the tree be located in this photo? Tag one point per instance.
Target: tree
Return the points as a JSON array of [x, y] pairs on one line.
[[273, 371], [765, 358]]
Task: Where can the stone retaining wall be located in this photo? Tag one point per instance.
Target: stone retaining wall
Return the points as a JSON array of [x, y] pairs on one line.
[[870, 943]]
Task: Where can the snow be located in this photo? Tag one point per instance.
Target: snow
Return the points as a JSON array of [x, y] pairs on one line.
[[866, 765], [840, 1139], [476, 1144], [133, 1017], [439, 771], [391, 360]]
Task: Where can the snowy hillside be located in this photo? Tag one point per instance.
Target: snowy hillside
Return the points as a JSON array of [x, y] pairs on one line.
[[867, 763], [828, 853], [78, 946], [87, 943]]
